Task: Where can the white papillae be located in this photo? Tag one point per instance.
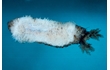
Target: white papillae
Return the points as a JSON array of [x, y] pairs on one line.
[[27, 29]]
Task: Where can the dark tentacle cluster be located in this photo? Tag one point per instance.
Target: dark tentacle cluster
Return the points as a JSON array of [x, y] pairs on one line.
[[94, 34]]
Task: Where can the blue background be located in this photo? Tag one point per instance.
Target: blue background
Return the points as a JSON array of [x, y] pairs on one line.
[[89, 14]]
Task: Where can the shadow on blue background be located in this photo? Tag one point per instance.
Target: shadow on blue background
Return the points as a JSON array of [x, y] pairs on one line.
[[90, 14]]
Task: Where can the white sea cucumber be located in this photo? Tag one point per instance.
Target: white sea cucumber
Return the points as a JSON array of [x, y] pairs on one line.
[[54, 33]]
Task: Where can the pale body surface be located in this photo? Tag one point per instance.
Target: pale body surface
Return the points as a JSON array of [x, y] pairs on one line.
[[27, 29]]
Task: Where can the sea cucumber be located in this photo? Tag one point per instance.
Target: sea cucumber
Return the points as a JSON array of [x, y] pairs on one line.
[[54, 33]]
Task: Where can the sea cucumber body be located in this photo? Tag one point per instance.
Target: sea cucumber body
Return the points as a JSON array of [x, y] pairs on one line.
[[27, 29]]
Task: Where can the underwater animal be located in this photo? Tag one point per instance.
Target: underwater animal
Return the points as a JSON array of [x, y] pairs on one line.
[[53, 33]]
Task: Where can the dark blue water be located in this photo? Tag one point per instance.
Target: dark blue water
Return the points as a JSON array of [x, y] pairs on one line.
[[90, 14]]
